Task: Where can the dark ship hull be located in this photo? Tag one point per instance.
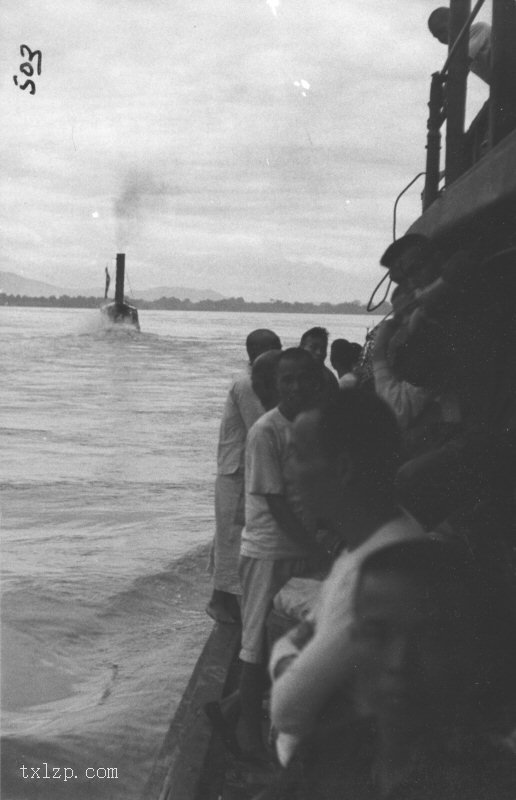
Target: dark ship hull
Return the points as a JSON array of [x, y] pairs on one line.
[[121, 313], [118, 311]]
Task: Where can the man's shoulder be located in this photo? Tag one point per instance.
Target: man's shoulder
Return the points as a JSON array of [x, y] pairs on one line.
[[480, 26], [271, 426], [241, 391], [241, 381], [329, 377], [271, 420], [480, 31], [347, 565], [397, 529]]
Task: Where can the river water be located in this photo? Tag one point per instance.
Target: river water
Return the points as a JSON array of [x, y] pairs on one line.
[[107, 470]]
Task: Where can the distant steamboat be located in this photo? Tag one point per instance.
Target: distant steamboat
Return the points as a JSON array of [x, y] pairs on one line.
[[119, 311]]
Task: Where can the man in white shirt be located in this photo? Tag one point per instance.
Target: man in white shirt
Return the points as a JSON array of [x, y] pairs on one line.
[[479, 48], [241, 410], [344, 358], [346, 460], [277, 541], [406, 400]]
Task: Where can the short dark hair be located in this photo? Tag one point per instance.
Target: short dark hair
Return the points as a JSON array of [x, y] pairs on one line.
[[439, 565], [427, 250], [397, 247], [341, 353], [263, 378], [438, 13], [261, 340], [301, 356], [359, 422], [316, 333]]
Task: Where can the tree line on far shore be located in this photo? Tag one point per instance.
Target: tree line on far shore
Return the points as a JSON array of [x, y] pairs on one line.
[[173, 304]]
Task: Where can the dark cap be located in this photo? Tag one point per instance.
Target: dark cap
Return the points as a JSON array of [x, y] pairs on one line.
[[393, 252]]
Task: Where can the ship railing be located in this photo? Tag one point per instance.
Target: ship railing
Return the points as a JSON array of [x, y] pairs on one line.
[[448, 96]]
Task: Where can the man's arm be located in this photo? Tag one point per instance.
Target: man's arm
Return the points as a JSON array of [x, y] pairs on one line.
[[308, 681], [290, 524], [288, 647], [406, 401], [247, 402], [304, 684]]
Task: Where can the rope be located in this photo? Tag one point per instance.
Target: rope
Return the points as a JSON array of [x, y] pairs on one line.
[[370, 306], [130, 287], [397, 201]]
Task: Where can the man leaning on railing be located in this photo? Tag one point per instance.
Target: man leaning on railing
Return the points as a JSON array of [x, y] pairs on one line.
[[479, 48]]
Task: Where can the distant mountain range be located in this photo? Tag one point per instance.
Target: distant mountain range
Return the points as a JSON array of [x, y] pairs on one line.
[[254, 276], [10, 283], [266, 276]]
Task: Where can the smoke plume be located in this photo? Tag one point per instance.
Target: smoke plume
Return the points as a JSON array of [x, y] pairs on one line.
[[140, 194]]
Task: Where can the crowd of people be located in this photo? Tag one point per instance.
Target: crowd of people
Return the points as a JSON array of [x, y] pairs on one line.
[[365, 521], [364, 543]]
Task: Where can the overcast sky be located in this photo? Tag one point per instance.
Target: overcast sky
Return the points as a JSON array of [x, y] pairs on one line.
[[217, 142]]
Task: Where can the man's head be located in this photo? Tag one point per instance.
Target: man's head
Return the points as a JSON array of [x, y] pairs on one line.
[[344, 355], [439, 24], [264, 378], [260, 341], [427, 639], [298, 379], [346, 455], [413, 261], [315, 341]]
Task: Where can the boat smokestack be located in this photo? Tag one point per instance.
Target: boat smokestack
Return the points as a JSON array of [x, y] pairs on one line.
[[120, 275]]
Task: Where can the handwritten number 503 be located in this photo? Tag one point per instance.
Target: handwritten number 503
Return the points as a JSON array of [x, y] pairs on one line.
[[27, 68]]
